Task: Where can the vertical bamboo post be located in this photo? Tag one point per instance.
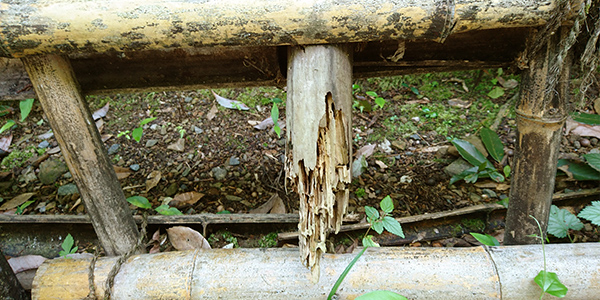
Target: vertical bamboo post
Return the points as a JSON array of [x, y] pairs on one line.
[[541, 113], [69, 115], [10, 287], [319, 119]]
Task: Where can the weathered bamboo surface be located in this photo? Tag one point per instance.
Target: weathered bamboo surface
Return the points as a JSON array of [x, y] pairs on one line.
[[417, 273], [83, 150], [65, 26], [238, 66]]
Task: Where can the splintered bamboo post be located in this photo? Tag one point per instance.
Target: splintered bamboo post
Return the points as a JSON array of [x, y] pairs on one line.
[[319, 97], [541, 113], [84, 152]]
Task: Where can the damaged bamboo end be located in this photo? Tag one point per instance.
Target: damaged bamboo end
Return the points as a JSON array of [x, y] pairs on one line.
[[319, 119]]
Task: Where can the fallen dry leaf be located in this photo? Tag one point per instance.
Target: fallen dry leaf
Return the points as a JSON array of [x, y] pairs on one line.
[[459, 103], [228, 103], [185, 238], [274, 205], [5, 142], [366, 150], [212, 112], [381, 164], [101, 113], [16, 201], [153, 180], [27, 262], [184, 199], [122, 173], [266, 123]]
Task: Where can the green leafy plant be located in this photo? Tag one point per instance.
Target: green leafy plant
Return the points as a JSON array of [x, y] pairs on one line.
[[482, 166], [486, 239], [427, 113], [181, 131], [224, 237], [25, 106], [268, 241], [275, 118], [548, 281], [379, 222], [9, 124], [591, 213], [561, 221], [360, 192], [22, 207], [142, 202], [378, 100], [137, 133], [67, 246]]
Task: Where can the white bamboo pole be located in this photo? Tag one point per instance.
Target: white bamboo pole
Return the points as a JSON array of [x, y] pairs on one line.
[[417, 273]]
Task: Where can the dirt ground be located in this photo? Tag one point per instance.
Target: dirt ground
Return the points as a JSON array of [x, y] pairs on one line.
[[411, 131]]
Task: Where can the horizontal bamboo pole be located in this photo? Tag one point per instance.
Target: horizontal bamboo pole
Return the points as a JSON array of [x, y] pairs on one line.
[[417, 273], [67, 26]]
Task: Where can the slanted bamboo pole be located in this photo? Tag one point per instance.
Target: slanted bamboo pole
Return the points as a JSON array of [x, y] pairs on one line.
[[319, 122], [83, 150], [541, 113]]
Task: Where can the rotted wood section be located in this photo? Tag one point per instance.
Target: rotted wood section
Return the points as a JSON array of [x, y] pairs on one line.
[[417, 273], [319, 121]]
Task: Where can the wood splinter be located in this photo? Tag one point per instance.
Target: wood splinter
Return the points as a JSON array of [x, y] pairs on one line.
[[319, 122]]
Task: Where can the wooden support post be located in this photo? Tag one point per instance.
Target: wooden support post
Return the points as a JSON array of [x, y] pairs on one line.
[[319, 118], [10, 288], [541, 113], [84, 152]]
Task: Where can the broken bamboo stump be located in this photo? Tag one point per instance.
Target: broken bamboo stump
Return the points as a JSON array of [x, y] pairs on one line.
[[319, 121], [540, 114], [83, 150], [417, 273]]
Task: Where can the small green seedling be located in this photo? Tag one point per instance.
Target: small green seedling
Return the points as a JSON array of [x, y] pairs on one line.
[[22, 207], [25, 107], [142, 202], [181, 131], [137, 133], [548, 281], [275, 118], [67, 246], [378, 100], [379, 222]]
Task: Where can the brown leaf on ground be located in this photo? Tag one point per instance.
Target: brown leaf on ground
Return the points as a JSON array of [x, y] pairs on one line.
[[185, 238], [16, 201], [122, 173], [185, 199], [153, 180], [274, 205], [212, 112]]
